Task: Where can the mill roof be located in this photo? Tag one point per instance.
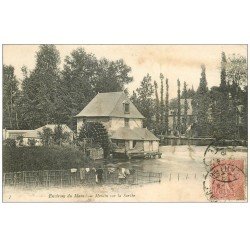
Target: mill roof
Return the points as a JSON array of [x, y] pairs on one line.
[[124, 133], [110, 104]]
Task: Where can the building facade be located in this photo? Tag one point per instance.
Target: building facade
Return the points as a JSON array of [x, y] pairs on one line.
[[24, 137], [122, 120]]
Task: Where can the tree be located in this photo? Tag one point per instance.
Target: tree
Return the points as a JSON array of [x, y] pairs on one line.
[[215, 96], [244, 115], [185, 107], [157, 108], [31, 142], [167, 107], [99, 134], [11, 95], [59, 136], [202, 103], [84, 76], [173, 103], [224, 102], [134, 99], [112, 76], [174, 123], [178, 106], [223, 108], [190, 93], [143, 100], [41, 95], [236, 69], [162, 107], [46, 136], [20, 140]]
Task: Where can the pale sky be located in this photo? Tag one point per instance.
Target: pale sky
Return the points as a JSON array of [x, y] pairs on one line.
[[174, 61]]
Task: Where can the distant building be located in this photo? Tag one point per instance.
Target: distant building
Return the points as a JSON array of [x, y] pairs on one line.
[[23, 137], [122, 120]]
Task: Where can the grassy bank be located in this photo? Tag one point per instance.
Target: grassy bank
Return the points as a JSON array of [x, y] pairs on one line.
[[42, 158]]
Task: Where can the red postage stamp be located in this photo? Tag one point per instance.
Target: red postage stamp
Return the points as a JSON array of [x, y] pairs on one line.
[[226, 180]]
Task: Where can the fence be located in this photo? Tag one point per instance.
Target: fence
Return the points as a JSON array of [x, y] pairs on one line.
[[176, 141], [66, 178]]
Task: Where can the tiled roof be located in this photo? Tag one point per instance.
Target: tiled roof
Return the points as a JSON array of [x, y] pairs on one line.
[[65, 128], [110, 104]]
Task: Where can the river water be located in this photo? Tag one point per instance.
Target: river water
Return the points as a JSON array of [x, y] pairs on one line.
[[181, 162], [176, 162]]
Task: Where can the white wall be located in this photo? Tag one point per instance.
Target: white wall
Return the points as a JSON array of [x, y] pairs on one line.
[[116, 122], [151, 146], [111, 123], [155, 145], [135, 123], [146, 145], [79, 124]]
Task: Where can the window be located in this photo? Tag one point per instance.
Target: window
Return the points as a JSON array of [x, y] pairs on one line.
[[126, 107], [120, 143], [126, 122]]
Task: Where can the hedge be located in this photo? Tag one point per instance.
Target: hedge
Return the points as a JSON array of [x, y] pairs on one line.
[[42, 158]]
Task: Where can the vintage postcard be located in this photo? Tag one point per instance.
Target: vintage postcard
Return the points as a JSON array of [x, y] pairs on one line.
[[125, 123]]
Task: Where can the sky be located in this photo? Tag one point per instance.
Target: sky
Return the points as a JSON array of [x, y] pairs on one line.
[[173, 61]]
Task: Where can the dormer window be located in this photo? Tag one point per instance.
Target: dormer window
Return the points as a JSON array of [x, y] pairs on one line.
[[126, 107]]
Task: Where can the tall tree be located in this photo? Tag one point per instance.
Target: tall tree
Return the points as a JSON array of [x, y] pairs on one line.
[[167, 107], [78, 75], [162, 107], [190, 93], [174, 123], [144, 101], [178, 106], [185, 107], [223, 109], [243, 115], [112, 76], [202, 105], [41, 90], [84, 76], [236, 68], [11, 95], [157, 108]]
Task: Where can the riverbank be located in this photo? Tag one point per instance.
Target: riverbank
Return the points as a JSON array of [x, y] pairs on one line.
[[183, 173]]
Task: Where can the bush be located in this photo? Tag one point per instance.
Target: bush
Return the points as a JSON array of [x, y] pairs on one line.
[[11, 143], [42, 158], [32, 142]]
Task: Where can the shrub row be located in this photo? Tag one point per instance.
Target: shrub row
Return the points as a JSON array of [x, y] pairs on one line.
[[42, 158]]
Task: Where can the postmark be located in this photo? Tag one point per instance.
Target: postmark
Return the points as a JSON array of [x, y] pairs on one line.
[[220, 150], [225, 181]]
